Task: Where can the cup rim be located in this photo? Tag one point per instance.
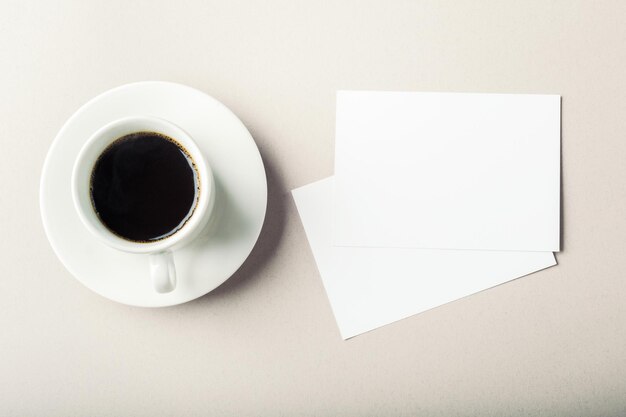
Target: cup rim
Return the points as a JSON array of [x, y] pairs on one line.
[[93, 148]]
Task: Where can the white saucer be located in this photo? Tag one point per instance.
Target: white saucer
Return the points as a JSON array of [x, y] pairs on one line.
[[241, 196]]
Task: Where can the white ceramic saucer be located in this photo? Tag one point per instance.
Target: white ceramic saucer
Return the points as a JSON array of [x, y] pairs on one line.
[[241, 196]]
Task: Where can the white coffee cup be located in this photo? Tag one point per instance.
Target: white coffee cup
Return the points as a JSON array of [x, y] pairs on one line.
[[160, 260]]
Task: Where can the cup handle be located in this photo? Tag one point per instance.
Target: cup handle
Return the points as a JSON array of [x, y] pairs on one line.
[[163, 271]]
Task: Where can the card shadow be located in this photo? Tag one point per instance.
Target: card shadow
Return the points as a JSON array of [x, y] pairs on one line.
[[562, 186]]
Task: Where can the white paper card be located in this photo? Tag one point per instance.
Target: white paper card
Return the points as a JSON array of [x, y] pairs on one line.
[[371, 287], [447, 170]]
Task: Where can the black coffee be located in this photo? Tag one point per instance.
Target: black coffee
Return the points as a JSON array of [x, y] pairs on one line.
[[144, 187]]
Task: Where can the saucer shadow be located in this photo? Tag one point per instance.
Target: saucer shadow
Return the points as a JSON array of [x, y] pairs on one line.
[[271, 233]]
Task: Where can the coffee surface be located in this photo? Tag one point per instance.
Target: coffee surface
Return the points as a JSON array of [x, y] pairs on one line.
[[144, 187]]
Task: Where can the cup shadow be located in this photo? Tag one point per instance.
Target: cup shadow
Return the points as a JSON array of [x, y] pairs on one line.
[[271, 234]]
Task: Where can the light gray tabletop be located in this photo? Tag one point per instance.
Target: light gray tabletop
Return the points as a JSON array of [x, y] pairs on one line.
[[265, 342]]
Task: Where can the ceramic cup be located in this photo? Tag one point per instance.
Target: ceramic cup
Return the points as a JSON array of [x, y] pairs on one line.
[[160, 260]]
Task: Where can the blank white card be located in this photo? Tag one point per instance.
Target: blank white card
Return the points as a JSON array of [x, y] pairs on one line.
[[371, 287], [447, 170]]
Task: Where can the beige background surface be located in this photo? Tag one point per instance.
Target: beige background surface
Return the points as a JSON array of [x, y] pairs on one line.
[[265, 343]]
